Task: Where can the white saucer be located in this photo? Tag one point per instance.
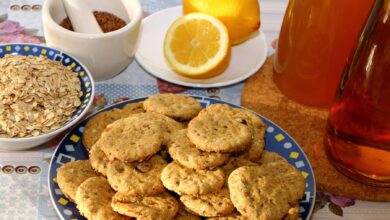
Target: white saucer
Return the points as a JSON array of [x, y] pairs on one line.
[[246, 58]]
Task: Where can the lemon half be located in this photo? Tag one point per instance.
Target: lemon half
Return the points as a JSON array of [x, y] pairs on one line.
[[197, 45]]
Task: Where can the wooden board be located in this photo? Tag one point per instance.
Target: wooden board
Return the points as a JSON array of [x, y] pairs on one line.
[[307, 126]]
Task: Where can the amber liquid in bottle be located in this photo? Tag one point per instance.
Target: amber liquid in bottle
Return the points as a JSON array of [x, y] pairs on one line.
[[315, 42], [358, 131]]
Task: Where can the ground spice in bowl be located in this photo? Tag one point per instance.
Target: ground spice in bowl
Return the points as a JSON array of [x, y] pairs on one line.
[[107, 22]]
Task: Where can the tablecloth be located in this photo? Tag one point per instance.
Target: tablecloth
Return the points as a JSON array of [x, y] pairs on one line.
[[23, 175]]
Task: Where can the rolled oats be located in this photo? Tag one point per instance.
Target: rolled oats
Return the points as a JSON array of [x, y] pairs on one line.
[[37, 95]]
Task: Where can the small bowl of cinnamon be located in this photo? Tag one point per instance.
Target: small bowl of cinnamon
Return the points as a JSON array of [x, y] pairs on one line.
[[105, 54]]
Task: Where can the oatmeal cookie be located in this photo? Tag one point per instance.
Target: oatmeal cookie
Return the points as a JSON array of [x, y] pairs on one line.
[[137, 179], [176, 106], [210, 205], [96, 125], [133, 108], [157, 207], [254, 123], [253, 153], [234, 163], [219, 133], [71, 175], [257, 196], [291, 177], [168, 125], [184, 152], [235, 216], [271, 157], [183, 214], [186, 181], [93, 199], [98, 159], [132, 139]]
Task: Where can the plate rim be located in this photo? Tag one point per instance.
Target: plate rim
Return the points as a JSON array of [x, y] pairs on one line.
[[158, 74], [310, 213]]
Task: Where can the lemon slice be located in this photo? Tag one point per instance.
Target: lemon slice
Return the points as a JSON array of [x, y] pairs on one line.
[[197, 45]]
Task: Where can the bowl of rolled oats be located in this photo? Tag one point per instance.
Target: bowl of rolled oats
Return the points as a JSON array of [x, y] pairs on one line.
[[43, 92]]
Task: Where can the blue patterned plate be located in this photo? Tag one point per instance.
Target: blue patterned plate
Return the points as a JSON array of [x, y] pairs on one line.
[[277, 140]]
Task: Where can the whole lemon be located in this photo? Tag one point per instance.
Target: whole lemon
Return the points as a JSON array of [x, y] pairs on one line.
[[241, 17]]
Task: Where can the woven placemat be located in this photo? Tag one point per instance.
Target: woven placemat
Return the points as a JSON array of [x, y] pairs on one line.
[[306, 125]]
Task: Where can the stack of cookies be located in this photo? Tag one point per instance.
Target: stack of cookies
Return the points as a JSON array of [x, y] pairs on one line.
[[167, 158]]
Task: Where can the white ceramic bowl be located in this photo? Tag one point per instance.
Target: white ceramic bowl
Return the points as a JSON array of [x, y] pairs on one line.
[[105, 55], [87, 87]]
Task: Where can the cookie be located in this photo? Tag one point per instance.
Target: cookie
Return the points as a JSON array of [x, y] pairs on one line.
[[132, 139], [93, 199], [176, 106], [107, 213], [137, 179], [235, 216], [257, 196], [218, 133], [96, 125], [71, 175], [253, 153], [158, 207], [98, 159], [234, 163], [133, 108], [169, 126], [289, 175], [186, 181], [217, 109], [187, 217], [210, 205], [271, 157], [183, 214], [185, 153], [240, 115], [255, 124]]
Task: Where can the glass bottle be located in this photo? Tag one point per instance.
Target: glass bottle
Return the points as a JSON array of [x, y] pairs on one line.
[[315, 42], [358, 130]]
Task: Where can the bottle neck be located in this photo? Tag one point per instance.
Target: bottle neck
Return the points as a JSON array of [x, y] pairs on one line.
[[370, 24], [364, 36]]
